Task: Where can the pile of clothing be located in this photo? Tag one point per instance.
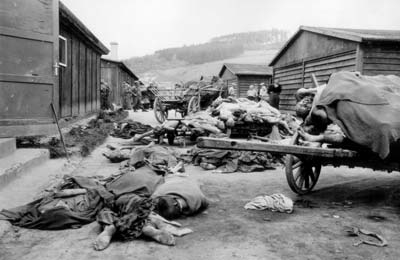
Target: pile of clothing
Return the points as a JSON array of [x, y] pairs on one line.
[[226, 161], [160, 159]]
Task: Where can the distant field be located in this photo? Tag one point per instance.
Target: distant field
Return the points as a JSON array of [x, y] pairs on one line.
[[194, 72]]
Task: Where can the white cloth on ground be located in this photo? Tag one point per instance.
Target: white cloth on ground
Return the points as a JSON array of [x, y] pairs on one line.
[[274, 202]]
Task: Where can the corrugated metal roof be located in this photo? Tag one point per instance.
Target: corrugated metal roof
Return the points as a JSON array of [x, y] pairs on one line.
[[247, 69], [356, 35]]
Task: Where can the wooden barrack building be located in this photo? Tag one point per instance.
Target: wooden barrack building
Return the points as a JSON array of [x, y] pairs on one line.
[[115, 73], [323, 51], [48, 57], [243, 75]]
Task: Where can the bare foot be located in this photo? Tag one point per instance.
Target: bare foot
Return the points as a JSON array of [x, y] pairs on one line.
[[165, 238], [171, 227], [161, 236], [308, 137], [103, 240]]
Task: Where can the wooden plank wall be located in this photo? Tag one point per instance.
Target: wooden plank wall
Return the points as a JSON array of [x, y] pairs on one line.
[[80, 80], [295, 76], [381, 60], [232, 82], [245, 81], [110, 74], [114, 75]]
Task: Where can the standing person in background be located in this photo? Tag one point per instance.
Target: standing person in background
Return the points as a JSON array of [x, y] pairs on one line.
[[252, 93], [274, 91], [263, 93], [126, 96], [134, 97], [138, 96], [105, 92], [151, 89]]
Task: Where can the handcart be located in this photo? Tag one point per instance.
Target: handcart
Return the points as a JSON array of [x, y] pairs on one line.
[[183, 100]]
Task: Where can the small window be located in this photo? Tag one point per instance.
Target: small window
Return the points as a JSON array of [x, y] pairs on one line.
[[63, 50]]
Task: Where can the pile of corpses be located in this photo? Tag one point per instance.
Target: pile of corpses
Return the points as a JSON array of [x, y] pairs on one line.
[[224, 118], [139, 201]]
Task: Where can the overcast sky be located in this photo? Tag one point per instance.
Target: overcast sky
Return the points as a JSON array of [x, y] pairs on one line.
[[144, 26]]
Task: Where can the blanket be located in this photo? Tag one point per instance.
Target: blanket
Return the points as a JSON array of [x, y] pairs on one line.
[[366, 108], [187, 189], [51, 213]]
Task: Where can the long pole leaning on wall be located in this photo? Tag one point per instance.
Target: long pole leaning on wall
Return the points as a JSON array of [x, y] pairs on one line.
[[59, 130]]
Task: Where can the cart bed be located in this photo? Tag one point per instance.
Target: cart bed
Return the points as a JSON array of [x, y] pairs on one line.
[[230, 144]]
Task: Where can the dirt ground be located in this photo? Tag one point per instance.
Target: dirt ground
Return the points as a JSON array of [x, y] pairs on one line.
[[315, 230]]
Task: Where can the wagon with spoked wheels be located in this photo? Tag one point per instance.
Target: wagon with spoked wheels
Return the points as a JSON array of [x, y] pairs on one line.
[[303, 164], [183, 100]]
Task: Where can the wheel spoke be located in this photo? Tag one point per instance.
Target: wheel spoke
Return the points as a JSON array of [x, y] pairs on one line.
[[301, 175], [307, 178], [298, 174], [297, 165], [312, 176]]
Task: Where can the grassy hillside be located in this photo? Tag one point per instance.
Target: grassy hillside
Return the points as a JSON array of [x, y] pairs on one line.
[[209, 69], [190, 62]]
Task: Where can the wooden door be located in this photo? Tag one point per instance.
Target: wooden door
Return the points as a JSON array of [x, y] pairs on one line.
[[28, 67]]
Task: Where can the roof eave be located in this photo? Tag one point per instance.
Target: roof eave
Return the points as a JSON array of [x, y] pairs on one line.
[[221, 72], [124, 67], [314, 30], [377, 39], [79, 26], [253, 74], [333, 33]]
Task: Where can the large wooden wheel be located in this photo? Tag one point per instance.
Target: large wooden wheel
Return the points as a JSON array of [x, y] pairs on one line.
[[301, 174], [159, 111], [194, 105]]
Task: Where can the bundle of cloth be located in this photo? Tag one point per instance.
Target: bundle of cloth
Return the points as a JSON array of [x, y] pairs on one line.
[[159, 158], [225, 161], [203, 121], [129, 128]]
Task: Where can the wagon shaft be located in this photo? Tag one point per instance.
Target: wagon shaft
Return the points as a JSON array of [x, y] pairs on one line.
[[230, 144]]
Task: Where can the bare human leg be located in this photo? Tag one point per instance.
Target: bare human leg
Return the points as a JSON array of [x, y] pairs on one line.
[[103, 240]]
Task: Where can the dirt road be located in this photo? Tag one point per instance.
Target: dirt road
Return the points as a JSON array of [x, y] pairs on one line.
[[315, 230]]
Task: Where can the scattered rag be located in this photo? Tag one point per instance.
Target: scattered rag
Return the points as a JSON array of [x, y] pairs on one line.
[[274, 202]]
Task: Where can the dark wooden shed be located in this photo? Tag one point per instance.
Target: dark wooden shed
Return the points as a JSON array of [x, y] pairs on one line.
[[244, 75], [323, 51], [115, 73], [80, 76], [47, 57]]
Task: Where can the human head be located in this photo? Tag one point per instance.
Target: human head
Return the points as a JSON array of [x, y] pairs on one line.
[[168, 207], [317, 120], [303, 107]]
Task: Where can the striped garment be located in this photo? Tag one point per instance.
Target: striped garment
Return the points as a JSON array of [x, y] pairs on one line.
[[129, 215]]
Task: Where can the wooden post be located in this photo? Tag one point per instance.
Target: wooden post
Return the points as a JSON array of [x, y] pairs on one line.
[[302, 73]]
